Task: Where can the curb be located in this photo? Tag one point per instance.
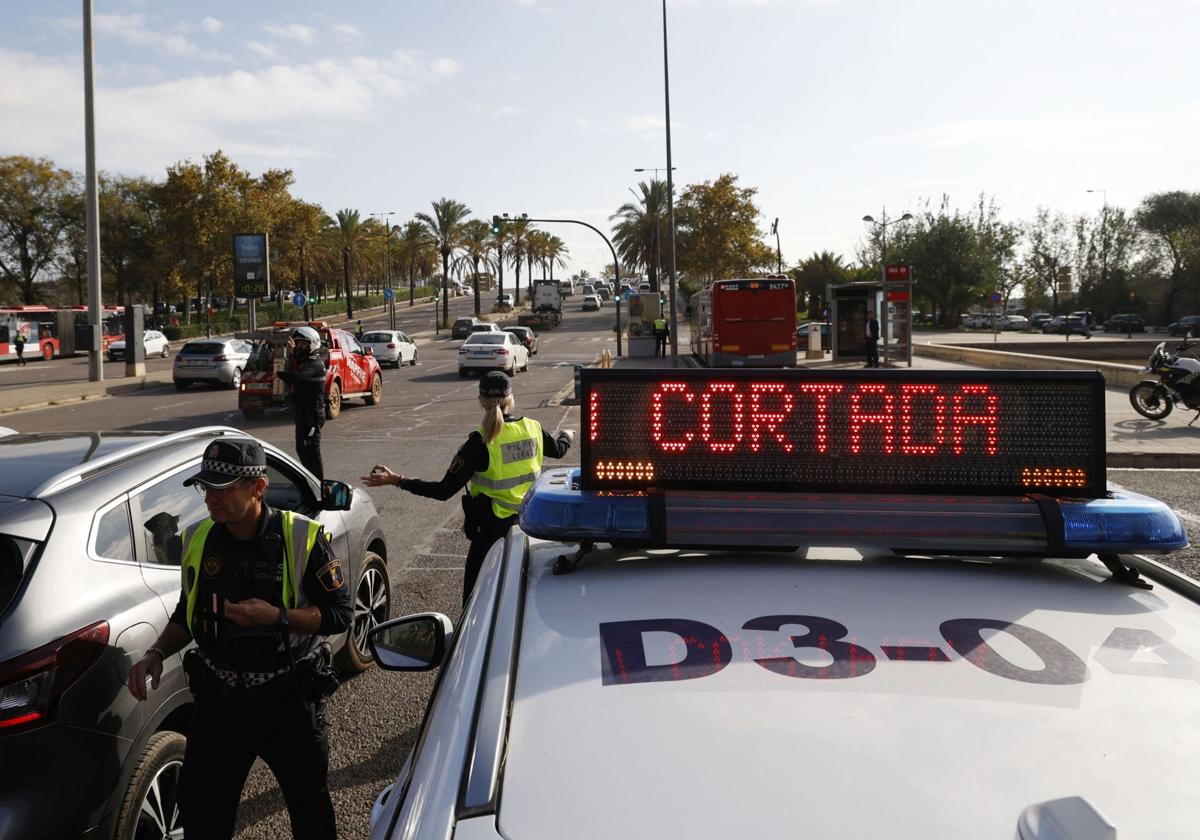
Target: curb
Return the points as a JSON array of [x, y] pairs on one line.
[[1153, 460]]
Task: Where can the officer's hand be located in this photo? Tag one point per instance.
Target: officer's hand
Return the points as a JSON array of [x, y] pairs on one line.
[[149, 665], [253, 612], [380, 476], [570, 434]]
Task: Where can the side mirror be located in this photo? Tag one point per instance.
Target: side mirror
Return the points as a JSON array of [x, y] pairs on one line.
[[412, 643], [336, 495]]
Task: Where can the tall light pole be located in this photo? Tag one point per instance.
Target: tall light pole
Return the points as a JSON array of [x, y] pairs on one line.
[[883, 226], [1103, 240], [778, 250], [92, 214], [670, 196]]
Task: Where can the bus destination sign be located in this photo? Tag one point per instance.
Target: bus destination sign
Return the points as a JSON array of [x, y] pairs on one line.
[[943, 432]]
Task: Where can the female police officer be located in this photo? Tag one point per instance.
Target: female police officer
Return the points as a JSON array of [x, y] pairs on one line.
[[498, 463]]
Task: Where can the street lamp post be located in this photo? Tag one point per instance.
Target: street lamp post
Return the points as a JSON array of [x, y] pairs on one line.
[[92, 214], [778, 250], [670, 196], [883, 226]]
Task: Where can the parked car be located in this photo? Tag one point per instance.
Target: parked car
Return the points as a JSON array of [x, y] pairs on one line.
[[591, 303], [212, 360], [1066, 325], [497, 350], [1186, 324], [505, 301], [1015, 322], [90, 552], [1039, 318], [526, 336], [604, 293], [462, 327], [391, 347], [156, 344], [1125, 323]]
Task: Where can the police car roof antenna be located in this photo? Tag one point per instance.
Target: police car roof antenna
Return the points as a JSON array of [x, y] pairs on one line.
[[565, 564]]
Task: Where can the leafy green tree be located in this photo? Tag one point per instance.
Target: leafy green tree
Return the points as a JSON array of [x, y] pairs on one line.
[[519, 240], [814, 274], [417, 252], [718, 235], [445, 228], [641, 231], [352, 234], [129, 239], [1047, 265], [35, 199], [1172, 219], [1106, 247], [476, 249]]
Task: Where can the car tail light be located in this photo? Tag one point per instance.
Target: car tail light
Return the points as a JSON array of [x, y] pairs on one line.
[[179, 360], [32, 684], [392, 346], [221, 358], [500, 351]]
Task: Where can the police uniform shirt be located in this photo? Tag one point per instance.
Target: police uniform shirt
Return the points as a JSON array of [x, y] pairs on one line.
[[309, 380], [472, 457], [236, 570]]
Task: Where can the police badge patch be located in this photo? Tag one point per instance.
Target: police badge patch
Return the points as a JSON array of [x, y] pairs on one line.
[[212, 565], [331, 576]]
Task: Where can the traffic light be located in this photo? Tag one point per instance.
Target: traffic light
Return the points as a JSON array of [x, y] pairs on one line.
[[496, 225]]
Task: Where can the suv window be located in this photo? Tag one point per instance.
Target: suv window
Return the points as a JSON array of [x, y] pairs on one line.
[[113, 540], [284, 489], [167, 508]]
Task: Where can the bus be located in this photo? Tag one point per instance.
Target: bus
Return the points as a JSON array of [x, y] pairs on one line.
[[50, 332], [745, 323]]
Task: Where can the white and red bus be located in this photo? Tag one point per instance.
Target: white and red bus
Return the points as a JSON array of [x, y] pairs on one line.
[[746, 323], [49, 332]]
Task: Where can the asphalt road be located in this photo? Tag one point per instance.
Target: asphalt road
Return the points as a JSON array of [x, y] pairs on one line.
[[418, 318], [426, 412]]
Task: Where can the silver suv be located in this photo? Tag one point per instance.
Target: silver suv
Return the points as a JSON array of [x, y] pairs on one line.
[[90, 546], [212, 360]]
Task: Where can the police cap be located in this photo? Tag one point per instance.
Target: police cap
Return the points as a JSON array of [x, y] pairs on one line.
[[494, 384], [229, 461]]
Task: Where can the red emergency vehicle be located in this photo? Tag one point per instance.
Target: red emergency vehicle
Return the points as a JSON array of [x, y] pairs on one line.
[[350, 371]]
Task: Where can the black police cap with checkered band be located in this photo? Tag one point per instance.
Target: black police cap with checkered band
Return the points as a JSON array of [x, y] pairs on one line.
[[229, 461]]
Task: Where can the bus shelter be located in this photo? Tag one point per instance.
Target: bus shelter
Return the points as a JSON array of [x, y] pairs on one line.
[[849, 304]]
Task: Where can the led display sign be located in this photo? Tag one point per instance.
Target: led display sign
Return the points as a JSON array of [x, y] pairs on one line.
[[945, 432]]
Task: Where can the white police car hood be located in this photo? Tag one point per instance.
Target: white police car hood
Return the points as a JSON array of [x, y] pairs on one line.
[[777, 697]]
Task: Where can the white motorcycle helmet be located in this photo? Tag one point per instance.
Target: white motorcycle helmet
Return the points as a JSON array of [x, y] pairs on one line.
[[307, 334]]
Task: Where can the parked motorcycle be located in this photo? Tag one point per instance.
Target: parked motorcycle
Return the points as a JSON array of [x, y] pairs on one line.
[[1178, 382]]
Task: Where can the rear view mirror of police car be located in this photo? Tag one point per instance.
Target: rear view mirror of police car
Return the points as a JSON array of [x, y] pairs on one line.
[[336, 495], [413, 643]]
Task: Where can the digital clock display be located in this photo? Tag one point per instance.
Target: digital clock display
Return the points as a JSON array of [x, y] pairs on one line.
[[999, 432]]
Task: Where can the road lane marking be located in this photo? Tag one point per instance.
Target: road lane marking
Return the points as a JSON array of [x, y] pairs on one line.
[[173, 405]]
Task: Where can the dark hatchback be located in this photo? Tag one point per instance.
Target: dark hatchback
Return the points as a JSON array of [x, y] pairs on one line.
[[1186, 324], [1125, 323], [527, 337]]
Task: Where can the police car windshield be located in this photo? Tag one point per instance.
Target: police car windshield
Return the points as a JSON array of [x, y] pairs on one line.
[[487, 338]]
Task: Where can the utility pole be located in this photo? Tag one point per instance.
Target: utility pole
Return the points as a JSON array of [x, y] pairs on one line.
[[778, 250], [92, 214], [670, 198]]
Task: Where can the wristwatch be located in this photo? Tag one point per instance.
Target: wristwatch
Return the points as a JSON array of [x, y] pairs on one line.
[[283, 618]]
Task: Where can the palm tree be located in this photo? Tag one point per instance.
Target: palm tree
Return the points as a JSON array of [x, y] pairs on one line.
[[553, 251], [476, 246], [518, 234], [445, 227], [497, 243], [642, 228], [414, 251], [351, 234]]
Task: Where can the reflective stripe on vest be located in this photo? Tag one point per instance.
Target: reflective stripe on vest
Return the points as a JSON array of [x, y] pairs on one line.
[[514, 461], [300, 535]]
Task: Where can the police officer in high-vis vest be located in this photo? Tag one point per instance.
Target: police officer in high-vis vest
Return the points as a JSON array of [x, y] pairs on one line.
[[661, 331], [261, 588], [497, 464]]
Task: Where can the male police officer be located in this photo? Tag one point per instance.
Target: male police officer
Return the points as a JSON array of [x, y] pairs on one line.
[[308, 398], [260, 587], [661, 332]]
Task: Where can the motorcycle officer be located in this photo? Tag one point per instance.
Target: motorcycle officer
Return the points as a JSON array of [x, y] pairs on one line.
[[308, 401]]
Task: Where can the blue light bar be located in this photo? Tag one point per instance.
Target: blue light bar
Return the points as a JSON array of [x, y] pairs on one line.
[[556, 509], [1126, 522]]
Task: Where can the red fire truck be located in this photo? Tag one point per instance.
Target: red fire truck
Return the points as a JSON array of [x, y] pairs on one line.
[[50, 332], [350, 371]]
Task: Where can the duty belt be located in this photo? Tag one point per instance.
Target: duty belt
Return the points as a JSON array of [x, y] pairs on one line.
[[249, 679]]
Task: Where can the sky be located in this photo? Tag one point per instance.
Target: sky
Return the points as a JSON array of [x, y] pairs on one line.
[[831, 109]]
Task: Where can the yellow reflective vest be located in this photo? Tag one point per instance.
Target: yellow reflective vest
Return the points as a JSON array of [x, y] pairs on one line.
[[660, 325], [299, 537], [514, 461]]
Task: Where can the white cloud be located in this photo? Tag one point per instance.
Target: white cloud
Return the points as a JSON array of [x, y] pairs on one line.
[[504, 110], [133, 29], [297, 32], [445, 68], [269, 52], [145, 127], [346, 33], [582, 122], [211, 25]]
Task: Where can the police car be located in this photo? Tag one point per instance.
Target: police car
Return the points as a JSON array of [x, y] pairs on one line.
[[816, 604]]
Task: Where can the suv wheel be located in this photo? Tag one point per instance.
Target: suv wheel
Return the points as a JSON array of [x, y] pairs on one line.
[[376, 395], [333, 403], [151, 804], [372, 604]]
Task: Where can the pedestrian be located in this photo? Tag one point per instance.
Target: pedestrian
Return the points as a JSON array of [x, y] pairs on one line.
[[872, 339], [358, 330], [261, 591], [660, 337], [497, 464], [1088, 320], [19, 346], [308, 396]]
